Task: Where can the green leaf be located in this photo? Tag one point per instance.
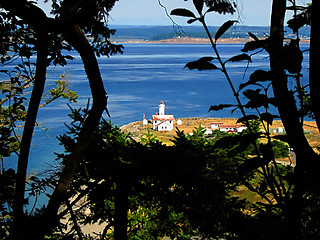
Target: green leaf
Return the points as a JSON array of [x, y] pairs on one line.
[[260, 76], [206, 59], [291, 57], [257, 102], [182, 12], [251, 94], [255, 77], [297, 22], [198, 5], [222, 7], [256, 99], [21, 107], [253, 36], [267, 117], [253, 45], [219, 107], [224, 28], [202, 64], [192, 20], [240, 57]]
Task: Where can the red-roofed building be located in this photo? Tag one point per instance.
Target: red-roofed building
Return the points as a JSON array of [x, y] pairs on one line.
[[161, 121], [215, 125], [231, 128]]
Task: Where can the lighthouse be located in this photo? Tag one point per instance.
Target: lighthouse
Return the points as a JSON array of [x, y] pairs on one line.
[[161, 108], [161, 121]]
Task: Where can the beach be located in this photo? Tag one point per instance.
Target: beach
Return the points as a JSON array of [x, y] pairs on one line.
[[188, 40]]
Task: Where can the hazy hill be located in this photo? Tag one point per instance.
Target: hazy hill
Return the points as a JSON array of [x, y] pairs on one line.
[[153, 33]]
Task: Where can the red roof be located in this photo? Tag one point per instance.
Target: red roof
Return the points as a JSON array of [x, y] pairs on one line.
[[163, 117], [162, 122], [230, 126]]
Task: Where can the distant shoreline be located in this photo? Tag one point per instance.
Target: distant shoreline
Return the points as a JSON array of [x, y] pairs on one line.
[[137, 129], [187, 40]]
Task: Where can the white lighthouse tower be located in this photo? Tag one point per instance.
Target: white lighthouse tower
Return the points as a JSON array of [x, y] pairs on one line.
[[161, 108], [162, 122]]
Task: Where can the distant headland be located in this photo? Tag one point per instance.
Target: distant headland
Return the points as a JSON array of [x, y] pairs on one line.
[[138, 129], [188, 40], [184, 40], [163, 125], [194, 34]]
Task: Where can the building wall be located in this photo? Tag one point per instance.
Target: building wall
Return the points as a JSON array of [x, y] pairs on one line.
[[226, 129], [165, 126]]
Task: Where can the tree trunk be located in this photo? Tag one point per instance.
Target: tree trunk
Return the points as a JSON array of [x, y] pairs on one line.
[[285, 99], [40, 23], [37, 18], [286, 103], [314, 60], [305, 156], [77, 39], [37, 91], [121, 210]]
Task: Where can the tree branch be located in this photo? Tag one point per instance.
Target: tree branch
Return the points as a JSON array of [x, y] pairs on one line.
[[285, 100], [306, 158], [38, 88], [77, 39]]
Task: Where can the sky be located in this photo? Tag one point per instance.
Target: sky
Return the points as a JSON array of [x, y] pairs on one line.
[[149, 12]]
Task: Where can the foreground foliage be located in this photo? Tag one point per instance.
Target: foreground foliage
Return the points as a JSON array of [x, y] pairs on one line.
[[168, 190], [147, 190]]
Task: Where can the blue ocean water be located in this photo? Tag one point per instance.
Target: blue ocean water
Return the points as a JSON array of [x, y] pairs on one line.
[[137, 81]]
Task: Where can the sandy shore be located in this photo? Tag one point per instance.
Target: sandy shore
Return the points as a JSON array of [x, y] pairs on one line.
[[187, 40]]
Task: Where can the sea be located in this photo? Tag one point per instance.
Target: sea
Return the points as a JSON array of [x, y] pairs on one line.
[[136, 81]]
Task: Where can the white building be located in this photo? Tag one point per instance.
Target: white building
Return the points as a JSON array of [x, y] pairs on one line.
[[144, 121], [215, 125], [231, 128], [161, 121], [179, 122], [280, 130], [208, 131]]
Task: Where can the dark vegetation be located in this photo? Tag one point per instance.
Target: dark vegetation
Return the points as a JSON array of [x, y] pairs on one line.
[[147, 190]]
